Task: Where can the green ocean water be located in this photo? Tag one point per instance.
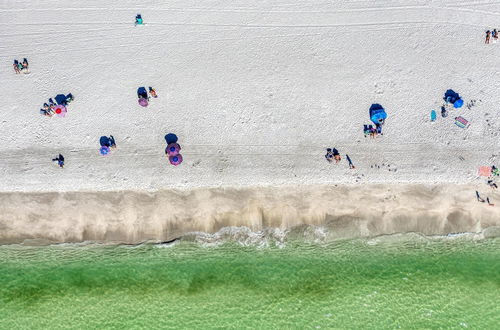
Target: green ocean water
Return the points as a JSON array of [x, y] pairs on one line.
[[385, 283]]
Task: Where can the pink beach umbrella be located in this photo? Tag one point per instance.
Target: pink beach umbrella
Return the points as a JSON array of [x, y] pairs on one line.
[[60, 110], [143, 102], [175, 160], [173, 149], [485, 171]]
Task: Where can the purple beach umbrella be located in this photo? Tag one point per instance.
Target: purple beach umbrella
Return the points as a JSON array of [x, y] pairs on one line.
[[173, 149], [175, 160], [104, 150]]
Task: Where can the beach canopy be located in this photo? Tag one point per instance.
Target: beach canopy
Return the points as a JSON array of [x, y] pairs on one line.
[[143, 102], [171, 138], [104, 150], [175, 160], [377, 114], [60, 110], [173, 149]]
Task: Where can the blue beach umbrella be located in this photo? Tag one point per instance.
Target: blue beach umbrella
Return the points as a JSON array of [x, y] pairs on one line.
[[458, 103]]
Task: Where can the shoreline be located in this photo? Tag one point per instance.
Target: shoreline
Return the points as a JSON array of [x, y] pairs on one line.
[[346, 211]]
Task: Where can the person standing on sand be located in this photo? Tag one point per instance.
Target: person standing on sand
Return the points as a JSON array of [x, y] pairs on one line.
[[351, 166], [487, 40], [329, 155], [152, 92], [60, 160], [479, 199], [112, 140], [336, 155], [16, 66], [492, 184]]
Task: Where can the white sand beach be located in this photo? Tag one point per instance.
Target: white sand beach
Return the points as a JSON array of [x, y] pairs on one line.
[[255, 92]]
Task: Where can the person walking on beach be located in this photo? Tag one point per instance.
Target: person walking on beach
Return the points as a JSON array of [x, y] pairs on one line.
[[479, 199], [60, 160], [16, 66], [494, 34], [351, 166], [112, 140], [329, 155], [488, 200], [487, 40]]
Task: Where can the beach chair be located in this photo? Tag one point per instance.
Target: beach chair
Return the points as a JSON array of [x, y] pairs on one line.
[[461, 122]]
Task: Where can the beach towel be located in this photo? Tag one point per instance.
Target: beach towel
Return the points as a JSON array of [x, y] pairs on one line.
[[485, 171], [433, 115], [461, 122]]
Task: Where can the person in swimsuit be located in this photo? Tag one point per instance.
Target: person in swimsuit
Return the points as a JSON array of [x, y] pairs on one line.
[[329, 155], [152, 92], [16, 66], [60, 160]]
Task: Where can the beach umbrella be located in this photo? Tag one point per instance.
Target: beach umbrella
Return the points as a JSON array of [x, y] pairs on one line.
[[175, 160], [105, 141], [173, 149], [104, 150], [485, 171], [143, 102], [171, 138], [458, 103], [60, 110]]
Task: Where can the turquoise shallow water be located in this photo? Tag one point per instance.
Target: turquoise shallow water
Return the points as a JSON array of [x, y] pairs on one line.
[[408, 282]]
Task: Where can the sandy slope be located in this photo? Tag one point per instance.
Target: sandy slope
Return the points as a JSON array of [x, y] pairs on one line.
[[255, 91], [336, 211]]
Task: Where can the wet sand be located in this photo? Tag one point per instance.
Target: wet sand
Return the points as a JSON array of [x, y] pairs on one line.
[[347, 211]]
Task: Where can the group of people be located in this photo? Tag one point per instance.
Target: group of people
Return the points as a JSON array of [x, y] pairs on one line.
[[491, 34], [371, 131], [332, 154], [21, 66], [491, 183], [142, 93], [51, 108], [143, 96]]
